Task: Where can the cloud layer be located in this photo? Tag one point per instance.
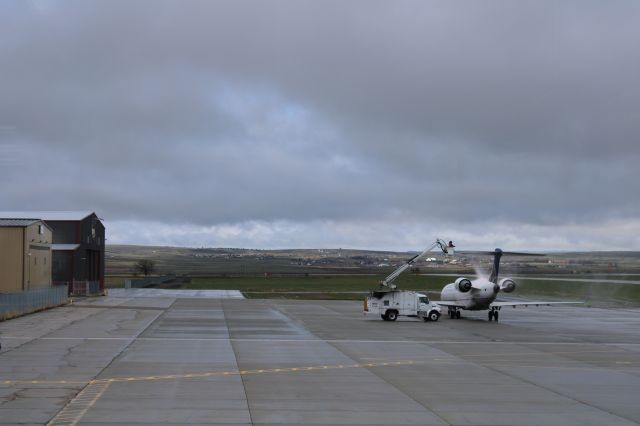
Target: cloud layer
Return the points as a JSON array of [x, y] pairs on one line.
[[300, 124]]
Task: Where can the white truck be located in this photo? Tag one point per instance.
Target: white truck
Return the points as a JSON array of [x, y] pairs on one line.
[[391, 304]]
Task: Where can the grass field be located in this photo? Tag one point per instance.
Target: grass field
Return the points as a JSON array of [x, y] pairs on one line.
[[353, 287], [593, 293], [330, 283], [347, 287], [612, 276]]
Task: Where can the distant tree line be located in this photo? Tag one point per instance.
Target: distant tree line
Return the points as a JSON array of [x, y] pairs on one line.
[[144, 266]]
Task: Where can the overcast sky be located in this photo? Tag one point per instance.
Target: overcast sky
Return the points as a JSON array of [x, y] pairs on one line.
[[355, 124]]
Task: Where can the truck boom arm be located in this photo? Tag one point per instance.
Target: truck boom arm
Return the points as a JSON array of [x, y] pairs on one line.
[[388, 282]]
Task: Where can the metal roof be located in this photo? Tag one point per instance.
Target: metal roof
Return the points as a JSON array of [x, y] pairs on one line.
[[47, 215], [17, 222], [64, 246]]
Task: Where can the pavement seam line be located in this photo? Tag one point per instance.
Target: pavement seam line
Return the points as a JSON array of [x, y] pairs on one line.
[[54, 330], [549, 389], [318, 340], [426, 407], [367, 367], [235, 356]]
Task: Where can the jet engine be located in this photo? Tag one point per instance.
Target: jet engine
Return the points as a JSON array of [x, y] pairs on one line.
[[463, 284], [507, 285]]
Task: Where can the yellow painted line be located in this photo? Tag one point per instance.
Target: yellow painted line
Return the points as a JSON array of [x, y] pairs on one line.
[[452, 359], [546, 367], [493, 355], [73, 412], [211, 374]]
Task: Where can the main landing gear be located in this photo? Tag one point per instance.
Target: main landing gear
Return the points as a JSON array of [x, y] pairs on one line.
[[493, 315], [454, 313]]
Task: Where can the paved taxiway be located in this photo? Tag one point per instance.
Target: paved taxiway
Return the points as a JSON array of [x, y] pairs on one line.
[[268, 362]]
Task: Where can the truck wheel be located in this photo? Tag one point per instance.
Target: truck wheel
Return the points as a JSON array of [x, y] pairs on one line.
[[384, 317], [392, 315], [433, 316]]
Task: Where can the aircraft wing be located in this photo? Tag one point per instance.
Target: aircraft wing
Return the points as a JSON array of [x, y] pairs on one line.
[[450, 304], [531, 302]]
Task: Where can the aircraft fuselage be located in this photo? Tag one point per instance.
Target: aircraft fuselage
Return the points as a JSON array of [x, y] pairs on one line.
[[478, 298]]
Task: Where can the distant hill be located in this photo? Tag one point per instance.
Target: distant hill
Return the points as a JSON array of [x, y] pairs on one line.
[[233, 261]]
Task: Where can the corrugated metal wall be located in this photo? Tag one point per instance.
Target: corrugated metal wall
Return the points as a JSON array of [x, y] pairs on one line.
[[24, 302], [11, 259]]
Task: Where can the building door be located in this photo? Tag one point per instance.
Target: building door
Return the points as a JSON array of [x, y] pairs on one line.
[[62, 266], [93, 265]]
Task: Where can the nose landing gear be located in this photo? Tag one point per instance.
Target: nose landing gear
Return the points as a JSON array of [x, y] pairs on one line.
[[493, 315]]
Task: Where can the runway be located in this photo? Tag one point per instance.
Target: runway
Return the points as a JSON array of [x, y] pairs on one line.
[[163, 360], [175, 294]]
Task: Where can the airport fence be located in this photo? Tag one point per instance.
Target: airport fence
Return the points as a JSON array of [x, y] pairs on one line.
[[25, 302], [85, 288], [148, 281]]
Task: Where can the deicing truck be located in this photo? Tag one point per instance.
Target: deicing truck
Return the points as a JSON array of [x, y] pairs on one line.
[[390, 303], [394, 303]]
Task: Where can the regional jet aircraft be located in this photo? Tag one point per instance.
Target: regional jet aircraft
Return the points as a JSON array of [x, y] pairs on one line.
[[480, 294]]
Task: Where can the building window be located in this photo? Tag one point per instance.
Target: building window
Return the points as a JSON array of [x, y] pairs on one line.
[[40, 229], [35, 260], [45, 260], [93, 232]]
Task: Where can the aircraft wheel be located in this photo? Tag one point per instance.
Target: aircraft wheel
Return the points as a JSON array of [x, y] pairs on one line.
[[458, 315], [392, 315], [495, 316], [490, 315]]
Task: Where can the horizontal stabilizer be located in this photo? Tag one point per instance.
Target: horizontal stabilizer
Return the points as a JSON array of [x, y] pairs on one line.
[[531, 302], [506, 253]]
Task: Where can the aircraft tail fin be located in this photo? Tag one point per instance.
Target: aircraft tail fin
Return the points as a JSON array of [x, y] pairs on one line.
[[497, 254]]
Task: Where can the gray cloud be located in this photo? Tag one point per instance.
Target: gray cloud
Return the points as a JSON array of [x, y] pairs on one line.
[[221, 114]]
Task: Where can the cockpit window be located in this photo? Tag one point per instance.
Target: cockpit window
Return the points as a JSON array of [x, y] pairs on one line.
[[424, 300]]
